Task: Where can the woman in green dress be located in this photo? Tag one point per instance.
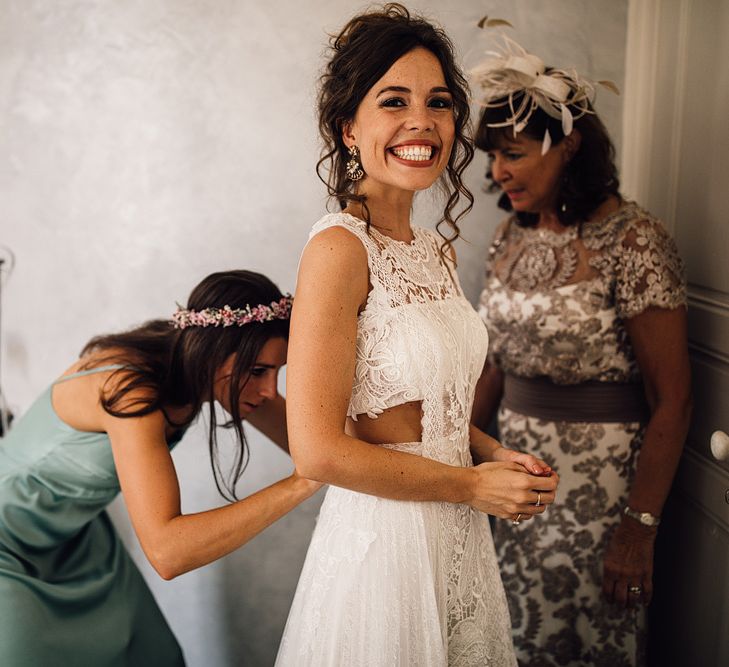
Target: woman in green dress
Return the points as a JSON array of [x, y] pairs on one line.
[[69, 592]]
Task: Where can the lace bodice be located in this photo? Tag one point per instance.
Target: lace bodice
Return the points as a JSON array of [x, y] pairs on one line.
[[555, 303], [418, 338]]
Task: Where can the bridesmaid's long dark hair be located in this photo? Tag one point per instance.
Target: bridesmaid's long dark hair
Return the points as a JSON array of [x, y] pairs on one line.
[[164, 367]]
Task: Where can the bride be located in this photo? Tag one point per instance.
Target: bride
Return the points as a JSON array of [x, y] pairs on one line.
[[383, 359]]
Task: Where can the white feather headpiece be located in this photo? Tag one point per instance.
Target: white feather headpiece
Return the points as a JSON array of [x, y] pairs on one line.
[[511, 72]]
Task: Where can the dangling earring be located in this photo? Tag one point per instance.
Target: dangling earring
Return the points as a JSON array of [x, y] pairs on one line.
[[354, 166], [563, 186]]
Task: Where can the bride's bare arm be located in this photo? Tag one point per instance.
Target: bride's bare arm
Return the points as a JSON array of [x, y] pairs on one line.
[[332, 288]]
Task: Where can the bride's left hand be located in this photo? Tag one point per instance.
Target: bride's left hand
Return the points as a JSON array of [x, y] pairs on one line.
[[530, 463]]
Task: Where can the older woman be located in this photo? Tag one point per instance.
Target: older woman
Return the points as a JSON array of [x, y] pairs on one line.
[[585, 305]]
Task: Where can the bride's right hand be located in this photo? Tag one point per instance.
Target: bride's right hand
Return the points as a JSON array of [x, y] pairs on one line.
[[506, 490]]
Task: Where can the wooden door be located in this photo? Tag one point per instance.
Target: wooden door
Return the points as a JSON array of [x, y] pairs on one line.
[[677, 162]]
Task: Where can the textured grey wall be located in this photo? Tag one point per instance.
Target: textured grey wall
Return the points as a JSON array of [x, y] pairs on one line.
[[147, 143]]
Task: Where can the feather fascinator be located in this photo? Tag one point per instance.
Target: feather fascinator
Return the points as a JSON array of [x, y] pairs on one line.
[[514, 78]]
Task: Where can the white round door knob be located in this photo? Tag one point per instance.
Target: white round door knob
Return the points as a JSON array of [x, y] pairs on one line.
[[720, 445]]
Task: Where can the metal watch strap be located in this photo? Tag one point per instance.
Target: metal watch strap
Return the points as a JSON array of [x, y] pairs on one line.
[[646, 518]]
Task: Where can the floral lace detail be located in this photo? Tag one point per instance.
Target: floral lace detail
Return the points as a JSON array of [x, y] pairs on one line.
[[541, 258], [427, 590], [564, 317], [552, 568], [647, 268], [404, 272], [409, 332]]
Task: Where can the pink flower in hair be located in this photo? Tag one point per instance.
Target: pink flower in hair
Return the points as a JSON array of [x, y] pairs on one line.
[[228, 317]]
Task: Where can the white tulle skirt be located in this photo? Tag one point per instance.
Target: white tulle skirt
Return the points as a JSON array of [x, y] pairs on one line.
[[389, 582]]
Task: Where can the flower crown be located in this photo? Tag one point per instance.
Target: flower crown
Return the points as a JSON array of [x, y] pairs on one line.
[[229, 317], [511, 71]]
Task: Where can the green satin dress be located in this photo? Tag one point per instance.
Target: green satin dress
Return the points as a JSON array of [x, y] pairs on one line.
[[70, 595]]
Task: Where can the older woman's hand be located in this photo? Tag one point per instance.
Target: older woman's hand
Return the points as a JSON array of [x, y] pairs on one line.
[[628, 564]]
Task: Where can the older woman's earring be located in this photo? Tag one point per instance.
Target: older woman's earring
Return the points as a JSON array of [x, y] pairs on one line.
[[354, 166], [563, 188]]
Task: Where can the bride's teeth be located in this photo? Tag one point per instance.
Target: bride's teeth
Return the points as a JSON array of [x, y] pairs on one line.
[[415, 153]]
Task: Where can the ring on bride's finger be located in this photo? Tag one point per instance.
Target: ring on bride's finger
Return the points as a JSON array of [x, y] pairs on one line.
[[636, 590], [539, 499], [517, 520]]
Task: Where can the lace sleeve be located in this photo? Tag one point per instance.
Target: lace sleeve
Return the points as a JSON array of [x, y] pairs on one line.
[[649, 271]]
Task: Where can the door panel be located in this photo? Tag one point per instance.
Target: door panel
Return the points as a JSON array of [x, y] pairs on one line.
[[680, 170], [710, 381], [692, 578]]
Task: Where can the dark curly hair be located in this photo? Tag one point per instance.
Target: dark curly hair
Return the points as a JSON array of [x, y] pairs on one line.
[[589, 178], [176, 367], [361, 54]]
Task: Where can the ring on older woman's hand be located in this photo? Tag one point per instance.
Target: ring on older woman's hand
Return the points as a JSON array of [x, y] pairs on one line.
[[636, 590], [517, 520], [539, 499]]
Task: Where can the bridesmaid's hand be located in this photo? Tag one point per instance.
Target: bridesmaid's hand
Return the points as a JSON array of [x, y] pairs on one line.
[[629, 564], [530, 463], [307, 487]]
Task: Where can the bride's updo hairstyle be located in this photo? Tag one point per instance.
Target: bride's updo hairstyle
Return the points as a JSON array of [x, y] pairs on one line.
[[362, 53]]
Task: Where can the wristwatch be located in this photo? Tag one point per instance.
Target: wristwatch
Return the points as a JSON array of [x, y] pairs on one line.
[[646, 518]]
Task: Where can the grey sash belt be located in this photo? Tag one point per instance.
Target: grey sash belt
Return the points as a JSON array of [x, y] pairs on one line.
[[584, 402]]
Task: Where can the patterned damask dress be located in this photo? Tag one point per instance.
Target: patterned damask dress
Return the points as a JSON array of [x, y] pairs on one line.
[[390, 582], [555, 305]]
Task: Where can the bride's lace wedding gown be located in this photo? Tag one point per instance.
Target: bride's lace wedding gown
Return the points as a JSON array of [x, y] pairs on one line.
[[389, 582]]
